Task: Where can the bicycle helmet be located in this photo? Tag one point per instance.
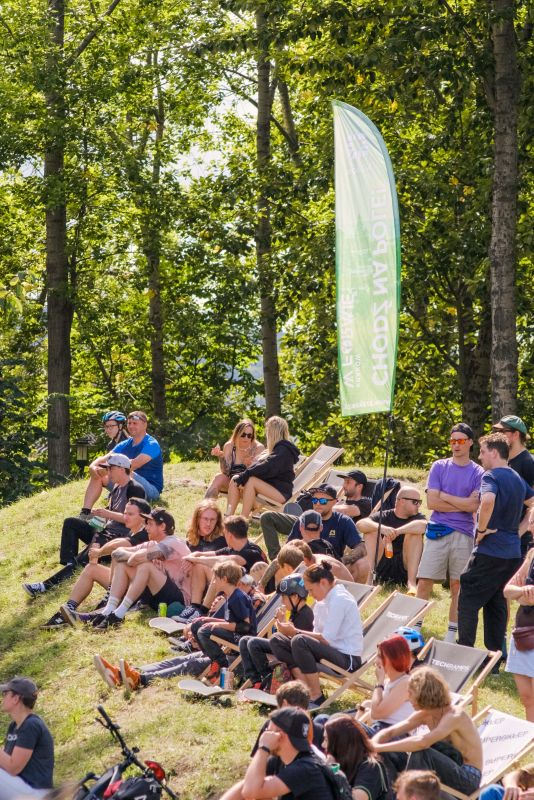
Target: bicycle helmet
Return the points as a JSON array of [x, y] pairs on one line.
[[292, 584], [114, 416], [413, 637]]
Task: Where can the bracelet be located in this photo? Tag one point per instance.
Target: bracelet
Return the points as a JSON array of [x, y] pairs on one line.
[[479, 530], [265, 749], [379, 686]]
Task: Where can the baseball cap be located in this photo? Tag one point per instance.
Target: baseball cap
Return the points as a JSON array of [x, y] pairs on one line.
[[118, 460], [161, 516], [356, 475], [463, 427], [19, 685], [325, 488], [512, 422], [296, 723], [311, 520]]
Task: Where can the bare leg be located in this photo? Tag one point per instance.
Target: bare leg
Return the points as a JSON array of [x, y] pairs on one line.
[[370, 546], [412, 549], [313, 683], [360, 570], [92, 573], [144, 576], [219, 484], [453, 608], [201, 576], [234, 793], [525, 688], [234, 497], [120, 580], [98, 478], [256, 486], [424, 588], [211, 594]]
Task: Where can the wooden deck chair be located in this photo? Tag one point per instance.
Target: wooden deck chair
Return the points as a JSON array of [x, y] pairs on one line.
[[396, 611], [506, 740], [363, 593], [458, 664], [310, 473]]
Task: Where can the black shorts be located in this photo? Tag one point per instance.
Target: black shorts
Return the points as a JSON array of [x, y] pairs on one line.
[[169, 593]]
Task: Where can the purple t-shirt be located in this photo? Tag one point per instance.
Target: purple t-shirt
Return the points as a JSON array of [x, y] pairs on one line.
[[446, 476]]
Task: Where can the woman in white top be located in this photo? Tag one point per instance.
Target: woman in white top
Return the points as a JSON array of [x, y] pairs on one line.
[[389, 702], [337, 632]]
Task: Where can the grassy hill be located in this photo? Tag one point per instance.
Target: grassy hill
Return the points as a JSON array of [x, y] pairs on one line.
[[203, 745]]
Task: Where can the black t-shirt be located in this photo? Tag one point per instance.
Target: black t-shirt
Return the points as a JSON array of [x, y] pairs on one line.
[[207, 547], [303, 618], [251, 554], [32, 734], [303, 777], [364, 504], [523, 464], [139, 538], [320, 547], [392, 570], [118, 498], [371, 778]]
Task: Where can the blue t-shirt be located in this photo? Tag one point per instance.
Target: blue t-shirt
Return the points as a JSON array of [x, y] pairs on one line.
[[339, 530], [152, 471], [238, 607], [510, 492]]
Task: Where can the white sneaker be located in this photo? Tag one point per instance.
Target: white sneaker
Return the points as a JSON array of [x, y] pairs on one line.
[[450, 636]]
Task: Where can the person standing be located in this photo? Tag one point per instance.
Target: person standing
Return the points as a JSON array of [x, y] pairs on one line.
[[452, 495], [27, 760], [497, 552]]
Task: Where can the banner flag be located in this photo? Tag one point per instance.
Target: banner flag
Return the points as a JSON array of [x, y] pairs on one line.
[[367, 264]]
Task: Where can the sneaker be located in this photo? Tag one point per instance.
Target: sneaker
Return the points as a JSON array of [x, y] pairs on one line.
[[56, 621], [131, 677], [188, 615], [183, 646], [34, 589], [109, 673], [109, 621], [317, 703], [102, 603], [213, 675], [74, 617]]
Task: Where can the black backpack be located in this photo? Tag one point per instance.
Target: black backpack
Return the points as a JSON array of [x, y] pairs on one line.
[[338, 783]]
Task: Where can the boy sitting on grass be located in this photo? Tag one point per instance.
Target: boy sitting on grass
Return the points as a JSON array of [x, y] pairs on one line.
[[234, 619]]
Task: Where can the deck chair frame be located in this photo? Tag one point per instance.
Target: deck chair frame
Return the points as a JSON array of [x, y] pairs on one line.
[[492, 658], [346, 680]]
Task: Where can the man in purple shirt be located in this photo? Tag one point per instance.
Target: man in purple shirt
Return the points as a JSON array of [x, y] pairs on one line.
[[452, 495]]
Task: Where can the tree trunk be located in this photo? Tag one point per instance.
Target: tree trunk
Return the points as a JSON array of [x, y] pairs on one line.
[[59, 301], [474, 372], [504, 212], [271, 372]]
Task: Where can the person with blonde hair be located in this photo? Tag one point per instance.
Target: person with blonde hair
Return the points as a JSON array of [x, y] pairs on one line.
[[451, 747], [272, 475], [205, 531], [240, 451]]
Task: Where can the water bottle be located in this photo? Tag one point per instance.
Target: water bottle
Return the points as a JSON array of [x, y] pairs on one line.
[[224, 674]]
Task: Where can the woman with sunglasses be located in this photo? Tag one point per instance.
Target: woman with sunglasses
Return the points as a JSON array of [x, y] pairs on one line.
[[242, 450], [271, 476]]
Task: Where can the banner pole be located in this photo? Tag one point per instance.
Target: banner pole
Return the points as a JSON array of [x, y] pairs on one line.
[[381, 509]]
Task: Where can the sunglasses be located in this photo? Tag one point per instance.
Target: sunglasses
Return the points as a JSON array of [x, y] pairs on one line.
[[246, 435], [323, 501], [411, 500], [458, 441]]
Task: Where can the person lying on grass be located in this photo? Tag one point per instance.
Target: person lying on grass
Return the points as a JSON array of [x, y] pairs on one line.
[[235, 618]]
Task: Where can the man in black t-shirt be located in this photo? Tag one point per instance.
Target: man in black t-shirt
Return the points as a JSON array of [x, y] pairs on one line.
[[295, 773], [404, 527], [27, 760], [75, 529], [354, 504], [521, 462], [238, 549]]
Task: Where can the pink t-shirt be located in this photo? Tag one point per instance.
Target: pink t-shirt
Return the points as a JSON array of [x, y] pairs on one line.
[[168, 556]]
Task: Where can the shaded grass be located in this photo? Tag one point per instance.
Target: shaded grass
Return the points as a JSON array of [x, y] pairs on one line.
[[203, 745]]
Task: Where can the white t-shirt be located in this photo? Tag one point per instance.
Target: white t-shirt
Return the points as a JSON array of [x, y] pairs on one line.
[[337, 618]]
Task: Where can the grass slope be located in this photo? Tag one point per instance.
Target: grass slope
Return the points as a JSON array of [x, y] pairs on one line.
[[203, 745]]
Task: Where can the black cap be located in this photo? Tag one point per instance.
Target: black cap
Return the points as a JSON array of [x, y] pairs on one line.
[[356, 475], [142, 504], [463, 427], [296, 723], [19, 685], [325, 488], [311, 520], [161, 516]]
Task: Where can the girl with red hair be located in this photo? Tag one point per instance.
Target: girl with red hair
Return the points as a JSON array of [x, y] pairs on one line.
[[389, 702]]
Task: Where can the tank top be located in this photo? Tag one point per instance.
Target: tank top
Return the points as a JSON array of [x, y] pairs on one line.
[[400, 714]]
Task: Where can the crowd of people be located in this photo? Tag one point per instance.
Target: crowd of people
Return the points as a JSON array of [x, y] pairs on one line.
[[410, 736]]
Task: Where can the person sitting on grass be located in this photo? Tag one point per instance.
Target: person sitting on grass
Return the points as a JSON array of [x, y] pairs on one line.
[[337, 632], [271, 476], [118, 468], [283, 765], [238, 549], [346, 743], [98, 573], [233, 619], [255, 649], [27, 760], [155, 572], [451, 747], [205, 531]]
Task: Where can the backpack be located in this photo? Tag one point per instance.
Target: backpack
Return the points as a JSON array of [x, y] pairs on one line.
[[337, 782]]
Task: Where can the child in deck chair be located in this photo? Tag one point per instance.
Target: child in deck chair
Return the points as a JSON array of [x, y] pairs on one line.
[[516, 785], [452, 746]]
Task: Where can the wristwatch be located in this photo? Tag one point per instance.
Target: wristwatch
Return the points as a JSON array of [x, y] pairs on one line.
[[265, 749], [379, 686]]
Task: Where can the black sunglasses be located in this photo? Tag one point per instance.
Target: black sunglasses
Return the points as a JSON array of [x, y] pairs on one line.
[[246, 435]]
